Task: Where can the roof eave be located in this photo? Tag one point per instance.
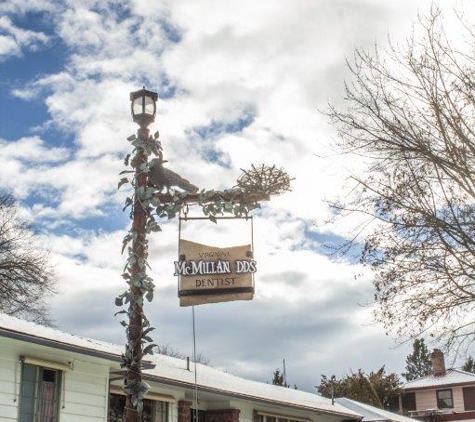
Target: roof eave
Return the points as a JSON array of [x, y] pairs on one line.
[[17, 335], [234, 394], [431, 387]]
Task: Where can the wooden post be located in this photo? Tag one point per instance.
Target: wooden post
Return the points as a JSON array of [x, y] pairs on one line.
[[134, 371]]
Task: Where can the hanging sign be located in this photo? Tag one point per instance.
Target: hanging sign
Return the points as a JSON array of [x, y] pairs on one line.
[[209, 274]]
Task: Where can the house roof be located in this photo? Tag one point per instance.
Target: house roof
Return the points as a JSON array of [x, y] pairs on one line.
[[174, 371], [371, 413], [451, 377], [168, 369], [34, 333]]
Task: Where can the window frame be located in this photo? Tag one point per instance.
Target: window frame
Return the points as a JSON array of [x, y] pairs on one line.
[[263, 416], [37, 395], [404, 402], [439, 400], [153, 400], [465, 394]]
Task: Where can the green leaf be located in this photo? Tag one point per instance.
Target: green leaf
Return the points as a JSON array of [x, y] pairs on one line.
[[128, 202], [147, 330], [213, 219], [148, 350], [149, 296]]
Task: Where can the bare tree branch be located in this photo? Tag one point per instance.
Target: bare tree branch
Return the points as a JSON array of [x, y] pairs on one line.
[[26, 277], [413, 114]]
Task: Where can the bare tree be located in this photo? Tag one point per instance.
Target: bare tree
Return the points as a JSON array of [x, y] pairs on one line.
[[26, 278], [411, 114], [170, 351]]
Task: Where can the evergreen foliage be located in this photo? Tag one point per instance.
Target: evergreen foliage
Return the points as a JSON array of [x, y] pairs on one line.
[[278, 378], [377, 388], [418, 363], [469, 365]]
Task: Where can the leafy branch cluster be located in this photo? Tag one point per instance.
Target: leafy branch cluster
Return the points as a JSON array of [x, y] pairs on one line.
[[140, 284], [213, 203], [253, 186]]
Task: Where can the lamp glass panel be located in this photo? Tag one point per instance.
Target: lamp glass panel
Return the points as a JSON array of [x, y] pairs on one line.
[[149, 106], [137, 106]]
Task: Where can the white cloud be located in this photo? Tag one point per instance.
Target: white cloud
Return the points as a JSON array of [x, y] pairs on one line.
[[14, 39], [273, 62], [22, 7], [32, 149]]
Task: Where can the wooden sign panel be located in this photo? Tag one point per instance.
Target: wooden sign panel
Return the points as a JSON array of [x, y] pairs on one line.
[[208, 274]]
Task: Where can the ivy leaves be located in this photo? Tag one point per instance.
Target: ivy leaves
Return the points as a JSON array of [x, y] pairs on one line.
[[213, 204], [135, 275]]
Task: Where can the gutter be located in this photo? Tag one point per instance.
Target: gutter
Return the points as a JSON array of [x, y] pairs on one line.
[[16, 335]]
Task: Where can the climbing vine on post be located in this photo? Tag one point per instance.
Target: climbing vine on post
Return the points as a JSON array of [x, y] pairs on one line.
[[154, 197], [141, 203]]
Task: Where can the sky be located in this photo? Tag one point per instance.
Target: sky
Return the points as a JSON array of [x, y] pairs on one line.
[[239, 83]]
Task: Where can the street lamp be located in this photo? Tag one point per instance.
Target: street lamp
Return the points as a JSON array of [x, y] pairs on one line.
[[143, 106]]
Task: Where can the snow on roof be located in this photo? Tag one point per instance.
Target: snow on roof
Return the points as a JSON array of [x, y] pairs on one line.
[[371, 413], [173, 370], [20, 326], [452, 376], [211, 378]]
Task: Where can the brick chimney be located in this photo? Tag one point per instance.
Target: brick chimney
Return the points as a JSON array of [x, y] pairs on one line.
[[438, 363]]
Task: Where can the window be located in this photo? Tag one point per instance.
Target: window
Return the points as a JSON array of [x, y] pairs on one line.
[[444, 399], [39, 394], [153, 410], [469, 398], [409, 401], [263, 417], [201, 415]]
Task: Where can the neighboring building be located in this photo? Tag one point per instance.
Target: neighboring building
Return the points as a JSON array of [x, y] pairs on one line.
[[444, 395], [371, 413], [50, 376]]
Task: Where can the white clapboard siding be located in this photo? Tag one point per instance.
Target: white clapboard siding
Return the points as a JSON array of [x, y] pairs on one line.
[[457, 394], [426, 399], [76, 418], [9, 413], [8, 391], [86, 397]]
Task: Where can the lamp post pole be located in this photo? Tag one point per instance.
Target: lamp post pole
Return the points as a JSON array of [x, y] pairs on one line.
[[143, 113], [134, 371]]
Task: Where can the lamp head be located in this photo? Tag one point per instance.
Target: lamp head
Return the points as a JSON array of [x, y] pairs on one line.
[[143, 106]]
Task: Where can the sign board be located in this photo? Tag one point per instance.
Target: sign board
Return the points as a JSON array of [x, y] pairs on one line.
[[209, 274]]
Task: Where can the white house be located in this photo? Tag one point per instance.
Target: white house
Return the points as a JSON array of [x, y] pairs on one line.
[[443, 395], [50, 376]]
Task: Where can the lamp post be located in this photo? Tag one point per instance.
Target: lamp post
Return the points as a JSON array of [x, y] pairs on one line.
[[143, 108]]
